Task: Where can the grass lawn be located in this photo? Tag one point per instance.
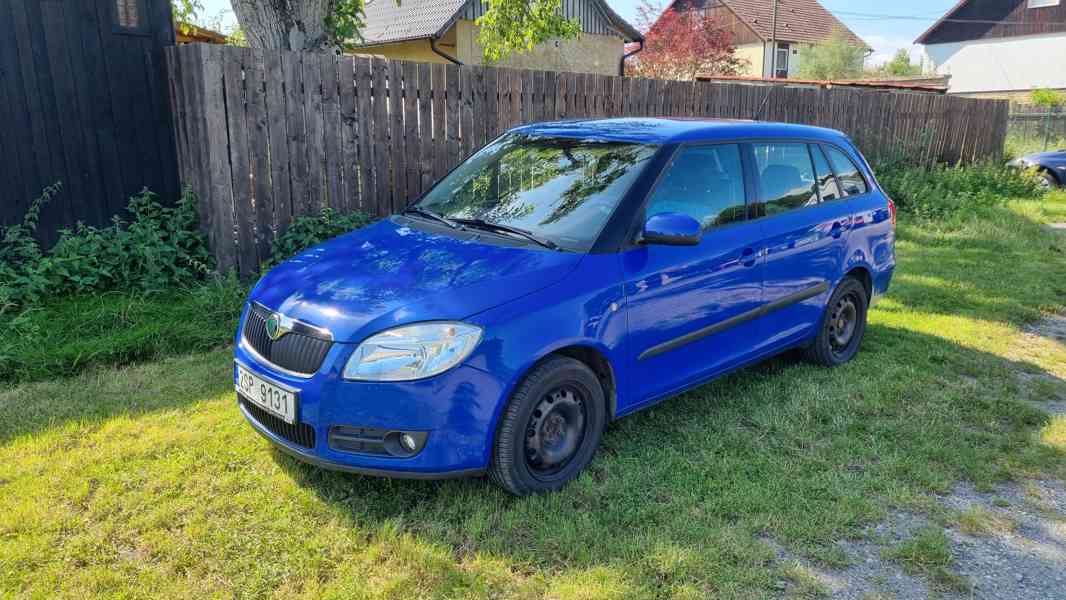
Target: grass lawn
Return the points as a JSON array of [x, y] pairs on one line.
[[69, 335], [145, 481]]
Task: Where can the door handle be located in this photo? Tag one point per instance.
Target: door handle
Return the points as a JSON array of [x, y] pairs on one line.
[[748, 256], [837, 230]]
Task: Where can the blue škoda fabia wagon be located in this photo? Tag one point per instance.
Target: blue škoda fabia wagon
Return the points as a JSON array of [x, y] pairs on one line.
[[565, 275]]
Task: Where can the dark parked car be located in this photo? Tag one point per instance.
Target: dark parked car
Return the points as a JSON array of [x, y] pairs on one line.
[[1050, 166], [565, 275]]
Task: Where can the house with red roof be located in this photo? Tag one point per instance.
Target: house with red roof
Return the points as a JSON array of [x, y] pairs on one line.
[[770, 35]]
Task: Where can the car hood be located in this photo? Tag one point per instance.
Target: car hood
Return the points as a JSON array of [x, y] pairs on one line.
[[392, 274], [1044, 157]]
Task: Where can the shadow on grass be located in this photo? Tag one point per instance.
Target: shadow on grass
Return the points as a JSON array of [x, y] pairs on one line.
[[804, 454]]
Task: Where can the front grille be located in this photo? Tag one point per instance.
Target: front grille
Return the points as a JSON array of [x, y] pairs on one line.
[[295, 351], [300, 434]]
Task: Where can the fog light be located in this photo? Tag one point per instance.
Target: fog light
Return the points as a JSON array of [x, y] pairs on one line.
[[408, 442]]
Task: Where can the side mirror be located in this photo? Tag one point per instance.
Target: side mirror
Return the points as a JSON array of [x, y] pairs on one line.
[[672, 229]]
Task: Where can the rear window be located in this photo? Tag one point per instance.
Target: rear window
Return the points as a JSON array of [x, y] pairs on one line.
[[786, 177], [849, 175]]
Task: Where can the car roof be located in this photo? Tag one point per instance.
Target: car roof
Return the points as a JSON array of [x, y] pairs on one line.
[[647, 130]]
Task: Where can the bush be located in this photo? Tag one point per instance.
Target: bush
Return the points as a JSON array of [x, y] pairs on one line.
[[159, 248], [308, 231], [941, 192]]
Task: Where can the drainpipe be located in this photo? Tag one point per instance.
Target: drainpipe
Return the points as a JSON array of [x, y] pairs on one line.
[[773, 43], [439, 52], [622, 61]]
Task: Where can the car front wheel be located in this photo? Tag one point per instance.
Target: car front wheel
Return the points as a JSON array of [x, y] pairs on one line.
[[842, 327], [550, 428], [1047, 180]]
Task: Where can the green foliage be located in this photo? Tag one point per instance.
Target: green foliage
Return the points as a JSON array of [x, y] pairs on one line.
[[346, 21], [940, 192], [308, 231], [838, 57], [160, 247], [66, 335], [900, 66], [186, 12], [517, 26], [1048, 98]]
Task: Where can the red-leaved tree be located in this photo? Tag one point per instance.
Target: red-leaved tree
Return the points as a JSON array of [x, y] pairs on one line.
[[680, 44]]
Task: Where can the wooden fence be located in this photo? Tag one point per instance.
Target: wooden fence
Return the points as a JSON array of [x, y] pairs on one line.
[[266, 136], [83, 101]]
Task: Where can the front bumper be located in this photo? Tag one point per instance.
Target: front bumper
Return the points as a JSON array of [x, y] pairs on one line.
[[456, 409]]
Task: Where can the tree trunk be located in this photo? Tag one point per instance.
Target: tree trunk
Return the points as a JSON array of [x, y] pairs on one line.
[[285, 24]]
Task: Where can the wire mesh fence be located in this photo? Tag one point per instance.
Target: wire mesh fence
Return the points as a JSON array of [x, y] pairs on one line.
[[1035, 129]]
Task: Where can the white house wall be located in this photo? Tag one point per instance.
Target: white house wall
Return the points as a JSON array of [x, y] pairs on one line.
[[1019, 63]]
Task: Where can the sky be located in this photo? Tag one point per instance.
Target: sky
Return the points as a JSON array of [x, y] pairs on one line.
[[886, 26]]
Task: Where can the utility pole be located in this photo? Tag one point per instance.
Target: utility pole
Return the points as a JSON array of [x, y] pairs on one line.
[[773, 42]]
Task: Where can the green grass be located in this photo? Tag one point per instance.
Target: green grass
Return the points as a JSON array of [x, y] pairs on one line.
[[145, 481], [70, 334], [928, 553]]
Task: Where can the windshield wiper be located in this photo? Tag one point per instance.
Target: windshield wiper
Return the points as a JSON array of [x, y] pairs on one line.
[[529, 235], [414, 210]]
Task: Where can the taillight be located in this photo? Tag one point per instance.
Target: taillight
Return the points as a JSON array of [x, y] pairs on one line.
[[892, 210]]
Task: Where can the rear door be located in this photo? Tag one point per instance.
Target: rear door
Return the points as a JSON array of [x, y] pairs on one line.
[[688, 306], [805, 222]]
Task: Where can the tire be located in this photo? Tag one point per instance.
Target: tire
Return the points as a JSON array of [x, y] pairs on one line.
[[1047, 180], [842, 326], [550, 429]]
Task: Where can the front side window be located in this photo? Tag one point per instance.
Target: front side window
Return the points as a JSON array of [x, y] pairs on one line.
[[786, 178], [848, 174], [561, 189], [703, 182]]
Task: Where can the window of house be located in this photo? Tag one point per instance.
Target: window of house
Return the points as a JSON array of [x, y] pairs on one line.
[[129, 15], [786, 178], [781, 68], [705, 183], [1043, 3], [848, 174]]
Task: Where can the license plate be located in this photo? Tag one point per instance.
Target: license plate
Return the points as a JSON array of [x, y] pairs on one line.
[[271, 397]]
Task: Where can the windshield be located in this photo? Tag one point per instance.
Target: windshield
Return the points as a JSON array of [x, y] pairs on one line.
[[559, 189]]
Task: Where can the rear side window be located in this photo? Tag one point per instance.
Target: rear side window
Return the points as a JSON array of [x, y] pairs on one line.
[[786, 178], [827, 184], [703, 182], [848, 174]]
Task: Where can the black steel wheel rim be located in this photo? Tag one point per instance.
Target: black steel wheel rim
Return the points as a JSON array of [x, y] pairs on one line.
[[555, 431], [843, 322]]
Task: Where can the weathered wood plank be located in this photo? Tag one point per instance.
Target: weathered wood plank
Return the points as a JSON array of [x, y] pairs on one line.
[[278, 142], [332, 133], [396, 141], [258, 123]]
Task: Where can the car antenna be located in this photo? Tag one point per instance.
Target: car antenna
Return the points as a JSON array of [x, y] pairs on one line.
[[766, 99]]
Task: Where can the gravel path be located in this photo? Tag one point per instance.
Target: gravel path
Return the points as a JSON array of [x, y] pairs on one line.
[[1008, 543]]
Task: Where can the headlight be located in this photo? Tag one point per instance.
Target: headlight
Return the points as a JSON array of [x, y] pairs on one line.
[[412, 352]]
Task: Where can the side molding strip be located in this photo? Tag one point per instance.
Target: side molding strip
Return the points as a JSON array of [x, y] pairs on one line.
[[721, 326]]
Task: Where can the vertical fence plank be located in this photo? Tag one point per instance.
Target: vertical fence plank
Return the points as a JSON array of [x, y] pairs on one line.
[[396, 147], [349, 134], [364, 102], [332, 132], [412, 156], [425, 128], [233, 65], [315, 147], [296, 131], [278, 142], [259, 154], [451, 99]]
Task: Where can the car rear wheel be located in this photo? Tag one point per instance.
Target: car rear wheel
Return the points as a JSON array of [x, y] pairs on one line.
[[550, 428], [842, 327]]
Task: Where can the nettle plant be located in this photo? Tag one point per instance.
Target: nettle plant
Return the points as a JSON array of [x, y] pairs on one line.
[[159, 247]]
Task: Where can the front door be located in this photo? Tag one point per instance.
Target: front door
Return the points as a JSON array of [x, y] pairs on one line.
[[688, 306], [806, 221]]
